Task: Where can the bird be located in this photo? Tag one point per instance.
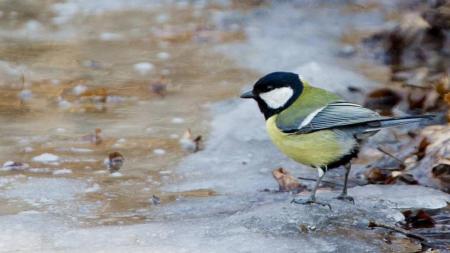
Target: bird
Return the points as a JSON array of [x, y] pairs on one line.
[[316, 127]]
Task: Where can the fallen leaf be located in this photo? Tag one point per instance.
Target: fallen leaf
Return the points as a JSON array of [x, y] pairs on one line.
[[421, 150], [382, 100], [377, 176], [418, 219], [441, 173], [286, 182], [95, 138], [115, 161], [191, 144]]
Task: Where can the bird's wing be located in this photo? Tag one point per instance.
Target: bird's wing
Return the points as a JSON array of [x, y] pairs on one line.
[[335, 115]]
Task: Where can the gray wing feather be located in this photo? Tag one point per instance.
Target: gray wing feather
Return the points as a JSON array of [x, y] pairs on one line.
[[339, 114]]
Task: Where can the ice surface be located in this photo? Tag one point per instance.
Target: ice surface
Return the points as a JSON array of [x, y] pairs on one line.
[[143, 67], [43, 191], [46, 158], [236, 164]]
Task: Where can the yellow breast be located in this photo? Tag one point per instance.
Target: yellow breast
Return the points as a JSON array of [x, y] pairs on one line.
[[315, 149]]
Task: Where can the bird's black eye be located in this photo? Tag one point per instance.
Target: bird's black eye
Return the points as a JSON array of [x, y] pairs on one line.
[[270, 87]]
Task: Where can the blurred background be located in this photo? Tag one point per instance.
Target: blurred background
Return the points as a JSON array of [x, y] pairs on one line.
[[86, 83]]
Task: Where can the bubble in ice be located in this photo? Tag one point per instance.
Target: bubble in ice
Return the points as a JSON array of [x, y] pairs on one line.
[[46, 158], [93, 188], [25, 95], [79, 89], [62, 172], [116, 174], [143, 68], [177, 120], [163, 55], [159, 151], [109, 36], [64, 104]]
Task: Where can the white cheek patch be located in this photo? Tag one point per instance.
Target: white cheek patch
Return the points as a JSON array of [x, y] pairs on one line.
[[276, 98]]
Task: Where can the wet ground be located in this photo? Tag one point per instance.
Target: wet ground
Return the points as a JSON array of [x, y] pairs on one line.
[[62, 81], [144, 73]]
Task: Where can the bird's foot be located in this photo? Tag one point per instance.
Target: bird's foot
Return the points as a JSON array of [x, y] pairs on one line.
[[345, 197], [309, 202]]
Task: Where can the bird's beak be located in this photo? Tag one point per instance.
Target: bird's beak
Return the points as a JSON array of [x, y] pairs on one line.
[[248, 94]]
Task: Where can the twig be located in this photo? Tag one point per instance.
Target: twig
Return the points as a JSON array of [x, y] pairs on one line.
[[421, 239], [389, 154]]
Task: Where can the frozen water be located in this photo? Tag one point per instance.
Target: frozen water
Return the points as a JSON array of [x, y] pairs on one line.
[[163, 55], [402, 196], [177, 120], [46, 158], [79, 89], [62, 172], [159, 151], [143, 67], [43, 191], [236, 164]]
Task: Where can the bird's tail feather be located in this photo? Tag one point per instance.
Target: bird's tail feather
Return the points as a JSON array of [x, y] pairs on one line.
[[398, 121]]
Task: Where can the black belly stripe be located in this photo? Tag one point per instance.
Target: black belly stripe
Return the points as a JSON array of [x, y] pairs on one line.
[[344, 159]]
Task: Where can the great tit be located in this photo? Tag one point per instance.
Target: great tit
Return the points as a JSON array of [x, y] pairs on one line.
[[316, 127]]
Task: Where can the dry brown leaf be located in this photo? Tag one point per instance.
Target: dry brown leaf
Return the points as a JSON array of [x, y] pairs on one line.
[[421, 150], [441, 173], [382, 100], [418, 219], [95, 138], [286, 182], [377, 175], [115, 161]]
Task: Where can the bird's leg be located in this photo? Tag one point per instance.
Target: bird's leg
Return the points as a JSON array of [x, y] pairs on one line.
[[343, 195], [312, 197]]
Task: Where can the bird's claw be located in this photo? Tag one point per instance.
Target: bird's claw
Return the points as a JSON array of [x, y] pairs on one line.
[[309, 202], [346, 198]]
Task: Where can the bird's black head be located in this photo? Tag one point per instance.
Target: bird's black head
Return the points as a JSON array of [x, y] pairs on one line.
[[275, 92]]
